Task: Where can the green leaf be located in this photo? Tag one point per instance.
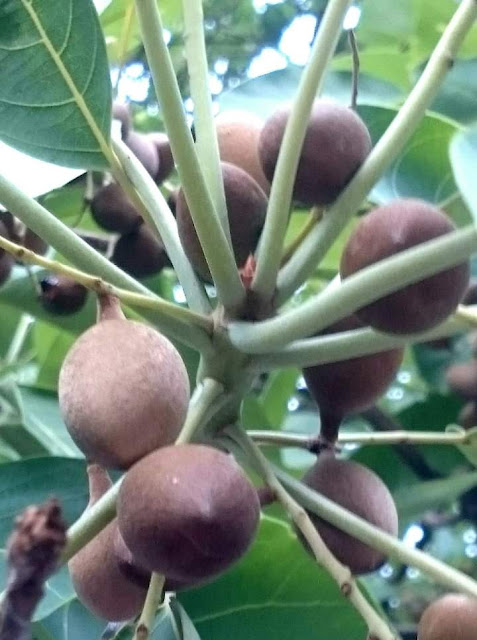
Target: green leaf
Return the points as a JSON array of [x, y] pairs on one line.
[[55, 92], [463, 153], [457, 96], [276, 394], [469, 449], [70, 622], [277, 591], [185, 624]]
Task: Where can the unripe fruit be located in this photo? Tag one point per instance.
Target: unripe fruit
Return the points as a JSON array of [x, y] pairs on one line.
[[348, 386], [246, 206], [95, 572], [123, 391], [145, 151], [391, 229], [238, 135], [62, 295], [359, 490], [112, 210], [452, 617], [164, 153], [140, 253], [336, 144], [187, 511]]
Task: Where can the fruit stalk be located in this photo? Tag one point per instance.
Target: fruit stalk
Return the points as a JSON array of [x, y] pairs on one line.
[[349, 344], [378, 628], [370, 535], [205, 131], [153, 600], [369, 284], [273, 236], [182, 324], [305, 441], [386, 150], [205, 396], [218, 254], [163, 220]]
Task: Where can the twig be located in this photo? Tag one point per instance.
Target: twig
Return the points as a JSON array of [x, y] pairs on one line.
[[154, 598], [33, 552], [355, 76], [378, 628], [314, 217]]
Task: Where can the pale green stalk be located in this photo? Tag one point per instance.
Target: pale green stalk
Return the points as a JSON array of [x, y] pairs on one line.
[[205, 395], [214, 243], [154, 597], [363, 287], [19, 338], [271, 244], [205, 132], [388, 545], [348, 344], [387, 149], [164, 222]]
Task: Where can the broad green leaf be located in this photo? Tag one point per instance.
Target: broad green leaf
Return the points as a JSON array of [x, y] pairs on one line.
[[388, 63], [463, 153], [51, 346], [276, 394], [469, 449], [72, 621], [55, 92], [277, 591], [457, 96], [184, 623]]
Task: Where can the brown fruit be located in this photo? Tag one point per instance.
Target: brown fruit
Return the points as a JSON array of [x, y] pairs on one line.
[[246, 206], [341, 388], [187, 511], [468, 416], [145, 151], [140, 253], [452, 617], [391, 229], [112, 210], [336, 144], [95, 572], [123, 391], [166, 160], [238, 135], [359, 490], [6, 260], [121, 112], [33, 242], [62, 295], [462, 378]]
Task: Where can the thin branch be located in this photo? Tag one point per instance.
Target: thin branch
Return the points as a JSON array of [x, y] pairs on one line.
[[386, 150], [155, 594], [205, 396], [378, 628], [355, 76]]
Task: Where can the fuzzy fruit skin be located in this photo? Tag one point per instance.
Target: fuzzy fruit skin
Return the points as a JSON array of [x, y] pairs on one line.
[[359, 490], [95, 570], [140, 253], [62, 295], [336, 144], [187, 511], [113, 211], [341, 388], [391, 229], [123, 392], [246, 206], [164, 152], [452, 617], [145, 151], [238, 135]]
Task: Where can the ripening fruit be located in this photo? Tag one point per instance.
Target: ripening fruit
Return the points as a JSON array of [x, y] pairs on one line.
[[349, 386], [246, 206], [238, 134], [166, 160], [187, 511], [33, 242], [112, 210], [336, 144], [386, 231], [452, 617], [468, 415], [140, 253], [145, 151], [121, 112], [95, 572], [123, 390], [61, 295], [359, 490], [462, 378]]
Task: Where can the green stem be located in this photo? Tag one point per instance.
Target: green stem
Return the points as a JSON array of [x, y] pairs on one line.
[[181, 324], [273, 236], [363, 287], [348, 344], [378, 628], [376, 538], [205, 133], [19, 337], [386, 150], [214, 243], [205, 395], [305, 441], [163, 220], [153, 600]]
